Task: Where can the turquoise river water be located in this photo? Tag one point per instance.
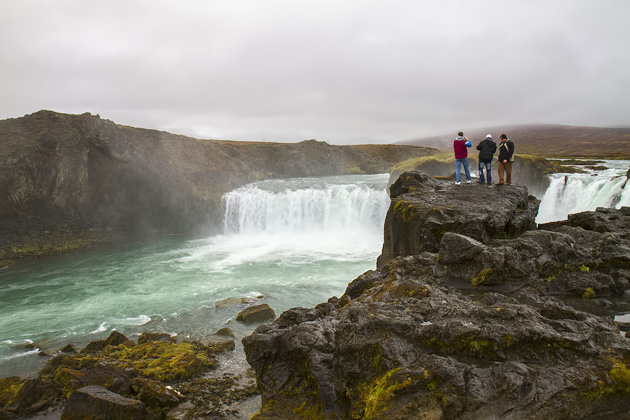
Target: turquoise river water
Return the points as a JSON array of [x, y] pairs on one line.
[[289, 243]]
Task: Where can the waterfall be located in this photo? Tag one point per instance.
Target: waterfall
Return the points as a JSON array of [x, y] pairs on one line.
[[327, 205], [574, 193]]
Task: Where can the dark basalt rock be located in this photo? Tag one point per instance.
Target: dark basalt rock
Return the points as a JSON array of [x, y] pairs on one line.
[[256, 313], [95, 402], [148, 337], [461, 320], [423, 209]]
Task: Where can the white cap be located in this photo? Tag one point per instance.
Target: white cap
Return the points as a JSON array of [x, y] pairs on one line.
[[488, 136]]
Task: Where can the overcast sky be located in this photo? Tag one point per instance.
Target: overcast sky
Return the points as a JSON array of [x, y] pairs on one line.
[[341, 71]]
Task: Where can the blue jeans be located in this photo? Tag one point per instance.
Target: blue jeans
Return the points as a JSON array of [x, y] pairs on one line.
[[458, 167], [488, 166]]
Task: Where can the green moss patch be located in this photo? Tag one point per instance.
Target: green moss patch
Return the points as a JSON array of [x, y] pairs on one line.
[[165, 360]]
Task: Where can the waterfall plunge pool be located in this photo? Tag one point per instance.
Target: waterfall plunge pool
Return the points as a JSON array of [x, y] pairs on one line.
[[293, 242]]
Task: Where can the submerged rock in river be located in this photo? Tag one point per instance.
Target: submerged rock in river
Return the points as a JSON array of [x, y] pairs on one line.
[[461, 320]]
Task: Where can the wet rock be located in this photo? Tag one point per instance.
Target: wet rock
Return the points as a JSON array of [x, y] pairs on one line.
[[116, 339], [255, 314], [94, 346], [95, 402], [69, 349], [234, 301], [219, 343], [148, 337], [225, 332], [25, 396], [155, 395], [108, 377]]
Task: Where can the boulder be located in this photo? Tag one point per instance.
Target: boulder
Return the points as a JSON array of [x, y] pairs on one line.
[[69, 348], [225, 332], [148, 337], [256, 314], [116, 339], [234, 301], [94, 346], [25, 396], [95, 402], [219, 343]]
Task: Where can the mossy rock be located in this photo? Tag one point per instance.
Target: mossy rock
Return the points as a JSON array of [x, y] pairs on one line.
[[9, 387], [23, 396], [165, 360]]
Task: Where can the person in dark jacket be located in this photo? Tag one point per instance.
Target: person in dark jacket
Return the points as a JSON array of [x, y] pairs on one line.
[[506, 157], [460, 145], [486, 148]]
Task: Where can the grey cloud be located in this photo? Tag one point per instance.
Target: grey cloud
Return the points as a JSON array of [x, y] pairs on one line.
[[369, 71]]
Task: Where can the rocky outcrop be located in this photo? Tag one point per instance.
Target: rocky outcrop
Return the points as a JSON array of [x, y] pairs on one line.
[[69, 181], [423, 209], [120, 378], [469, 324]]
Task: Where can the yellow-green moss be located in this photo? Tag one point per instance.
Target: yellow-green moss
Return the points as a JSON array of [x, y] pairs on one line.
[[9, 388], [408, 213], [617, 382], [301, 395], [588, 293], [481, 277], [376, 394], [165, 360]]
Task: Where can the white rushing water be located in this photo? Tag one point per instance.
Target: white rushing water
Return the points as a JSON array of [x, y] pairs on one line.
[[296, 242], [574, 193]]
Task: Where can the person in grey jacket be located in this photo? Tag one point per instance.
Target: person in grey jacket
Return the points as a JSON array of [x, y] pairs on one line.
[[486, 148]]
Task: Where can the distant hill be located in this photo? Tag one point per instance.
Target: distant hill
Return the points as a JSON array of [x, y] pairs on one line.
[[547, 140]]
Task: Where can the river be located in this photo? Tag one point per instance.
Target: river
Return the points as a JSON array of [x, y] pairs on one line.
[[288, 243]]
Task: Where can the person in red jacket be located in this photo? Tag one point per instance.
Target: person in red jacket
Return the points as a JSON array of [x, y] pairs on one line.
[[460, 145]]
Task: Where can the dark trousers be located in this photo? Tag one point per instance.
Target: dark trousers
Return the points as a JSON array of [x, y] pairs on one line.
[[507, 167], [488, 167]]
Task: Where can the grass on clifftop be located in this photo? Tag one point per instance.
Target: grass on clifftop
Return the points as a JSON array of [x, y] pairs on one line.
[[548, 167]]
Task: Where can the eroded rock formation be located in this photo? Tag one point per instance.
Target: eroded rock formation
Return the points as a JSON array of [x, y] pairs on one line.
[[469, 319], [67, 181]]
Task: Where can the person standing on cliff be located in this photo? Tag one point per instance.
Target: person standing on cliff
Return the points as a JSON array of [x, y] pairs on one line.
[[506, 157], [460, 145], [486, 148]]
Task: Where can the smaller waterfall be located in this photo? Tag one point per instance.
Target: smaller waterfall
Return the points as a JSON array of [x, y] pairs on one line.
[[574, 193], [294, 207]]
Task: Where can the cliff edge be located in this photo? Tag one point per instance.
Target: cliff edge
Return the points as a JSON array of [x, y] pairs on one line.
[[67, 181], [469, 318]]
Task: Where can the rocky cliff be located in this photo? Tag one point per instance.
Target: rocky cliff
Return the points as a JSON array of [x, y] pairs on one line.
[[472, 313], [71, 180]]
